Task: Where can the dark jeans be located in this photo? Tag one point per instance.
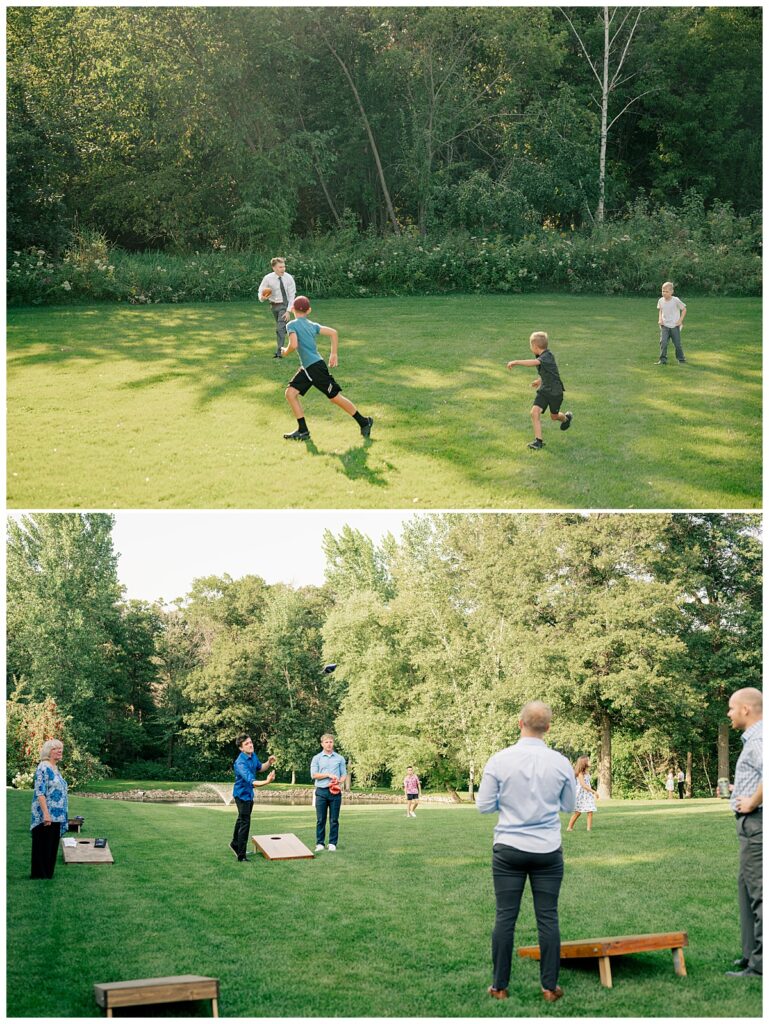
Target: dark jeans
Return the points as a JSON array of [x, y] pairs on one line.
[[278, 309], [680, 790], [327, 804], [670, 334], [511, 868], [242, 826], [750, 831], [45, 849]]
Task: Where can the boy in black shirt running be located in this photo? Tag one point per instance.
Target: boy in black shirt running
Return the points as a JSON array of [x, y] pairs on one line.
[[549, 387]]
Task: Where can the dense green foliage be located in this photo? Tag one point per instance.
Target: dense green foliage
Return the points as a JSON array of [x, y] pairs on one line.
[[711, 253], [636, 627], [198, 128], [409, 903]]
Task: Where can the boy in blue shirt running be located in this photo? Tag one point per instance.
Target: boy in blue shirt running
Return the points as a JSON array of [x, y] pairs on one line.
[[313, 371]]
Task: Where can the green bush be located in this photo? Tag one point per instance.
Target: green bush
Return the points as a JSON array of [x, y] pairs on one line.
[[710, 252], [29, 724]]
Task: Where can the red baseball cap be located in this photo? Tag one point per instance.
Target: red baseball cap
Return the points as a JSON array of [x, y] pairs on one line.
[[302, 304]]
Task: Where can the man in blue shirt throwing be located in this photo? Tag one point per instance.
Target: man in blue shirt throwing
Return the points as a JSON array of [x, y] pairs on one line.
[[246, 766], [528, 784], [329, 771]]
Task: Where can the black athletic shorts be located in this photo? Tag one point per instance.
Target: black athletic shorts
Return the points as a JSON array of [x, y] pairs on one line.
[[549, 398], [412, 796], [315, 375]]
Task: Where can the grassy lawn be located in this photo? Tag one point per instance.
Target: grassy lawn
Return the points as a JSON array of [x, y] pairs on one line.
[[401, 914], [182, 406]]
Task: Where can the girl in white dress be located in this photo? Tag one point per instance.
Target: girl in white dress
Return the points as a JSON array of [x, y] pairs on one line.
[[586, 795]]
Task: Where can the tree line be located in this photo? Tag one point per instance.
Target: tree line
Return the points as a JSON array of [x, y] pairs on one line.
[[184, 127], [635, 628]]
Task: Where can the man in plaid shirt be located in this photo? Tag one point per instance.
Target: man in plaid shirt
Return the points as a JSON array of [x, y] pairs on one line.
[[746, 711]]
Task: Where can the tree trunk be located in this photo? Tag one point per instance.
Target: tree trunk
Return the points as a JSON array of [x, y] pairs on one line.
[[604, 758], [369, 133], [599, 213], [293, 776], [688, 785], [471, 783], [723, 750]]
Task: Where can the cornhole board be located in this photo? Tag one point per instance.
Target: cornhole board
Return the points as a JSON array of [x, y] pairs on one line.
[[618, 945], [183, 988], [281, 846], [86, 853]]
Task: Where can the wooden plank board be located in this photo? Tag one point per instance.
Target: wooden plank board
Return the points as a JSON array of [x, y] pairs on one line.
[[282, 846], [86, 853], [147, 991], [613, 946]]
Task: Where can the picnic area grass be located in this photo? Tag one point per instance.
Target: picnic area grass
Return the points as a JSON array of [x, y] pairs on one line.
[[396, 923], [165, 406]]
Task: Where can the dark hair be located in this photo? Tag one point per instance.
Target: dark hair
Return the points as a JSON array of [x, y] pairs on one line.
[[241, 739]]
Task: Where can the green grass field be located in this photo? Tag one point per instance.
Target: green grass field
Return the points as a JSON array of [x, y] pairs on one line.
[[182, 406], [396, 923]]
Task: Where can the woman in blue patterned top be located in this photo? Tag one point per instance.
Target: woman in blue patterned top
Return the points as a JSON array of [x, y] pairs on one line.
[[50, 815]]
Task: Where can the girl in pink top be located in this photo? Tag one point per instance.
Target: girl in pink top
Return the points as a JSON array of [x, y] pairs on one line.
[[411, 787]]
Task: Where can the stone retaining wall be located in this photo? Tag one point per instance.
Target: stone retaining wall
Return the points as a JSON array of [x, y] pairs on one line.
[[210, 796]]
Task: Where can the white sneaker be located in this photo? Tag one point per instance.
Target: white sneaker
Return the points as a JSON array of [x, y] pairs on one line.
[[413, 814], [319, 847], [332, 848]]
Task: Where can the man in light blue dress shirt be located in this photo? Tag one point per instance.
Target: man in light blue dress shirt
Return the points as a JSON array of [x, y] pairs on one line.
[[746, 712], [528, 784], [329, 771]]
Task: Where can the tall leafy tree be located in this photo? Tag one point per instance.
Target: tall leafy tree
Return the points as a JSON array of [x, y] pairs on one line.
[[63, 616]]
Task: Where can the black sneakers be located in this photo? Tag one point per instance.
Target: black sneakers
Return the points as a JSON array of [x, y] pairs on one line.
[[297, 435], [567, 422], [366, 428], [661, 362], [537, 443]]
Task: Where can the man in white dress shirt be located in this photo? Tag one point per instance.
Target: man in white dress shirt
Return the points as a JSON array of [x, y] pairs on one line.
[[527, 784], [279, 289]]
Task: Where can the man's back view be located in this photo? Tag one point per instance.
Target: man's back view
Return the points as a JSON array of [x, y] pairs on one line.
[[528, 784]]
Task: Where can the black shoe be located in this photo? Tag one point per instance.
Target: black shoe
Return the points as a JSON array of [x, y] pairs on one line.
[[242, 860], [366, 428], [741, 962], [748, 972], [661, 362], [567, 422], [681, 360], [278, 355], [537, 443], [234, 848], [297, 435]]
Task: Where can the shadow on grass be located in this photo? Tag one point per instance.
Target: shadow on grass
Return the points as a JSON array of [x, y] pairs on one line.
[[634, 441]]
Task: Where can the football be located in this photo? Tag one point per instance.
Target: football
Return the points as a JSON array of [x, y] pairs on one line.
[[266, 293]]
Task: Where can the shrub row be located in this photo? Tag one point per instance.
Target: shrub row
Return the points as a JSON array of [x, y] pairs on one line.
[[711, 253]]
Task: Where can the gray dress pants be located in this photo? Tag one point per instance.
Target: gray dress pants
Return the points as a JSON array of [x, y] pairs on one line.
[[750, 888]]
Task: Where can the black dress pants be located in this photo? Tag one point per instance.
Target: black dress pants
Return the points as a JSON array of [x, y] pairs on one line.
[[242, 825], [511, 868], [45, 849]]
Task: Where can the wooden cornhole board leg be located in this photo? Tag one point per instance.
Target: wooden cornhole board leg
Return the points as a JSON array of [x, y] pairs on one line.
[[604, 969], [282, 846], [679, 964]]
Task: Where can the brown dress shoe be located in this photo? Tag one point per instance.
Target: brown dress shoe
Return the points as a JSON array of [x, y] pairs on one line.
[[550, 995], [497, 993]]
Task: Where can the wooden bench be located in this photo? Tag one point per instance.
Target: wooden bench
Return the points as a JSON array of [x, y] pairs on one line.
[[148, 991], [618, 945]]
